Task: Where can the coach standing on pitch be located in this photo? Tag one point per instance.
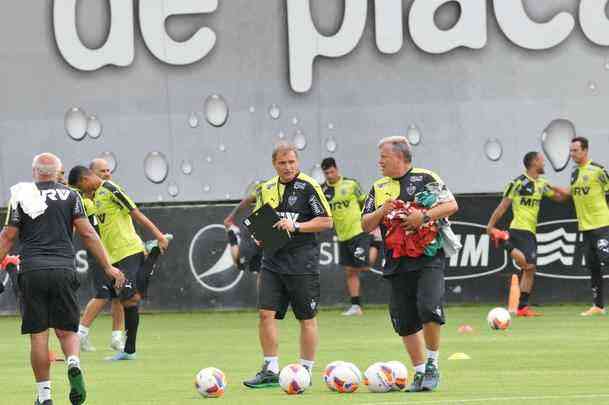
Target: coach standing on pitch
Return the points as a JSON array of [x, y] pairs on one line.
[[291, 275], [41, 216], [417, 284]]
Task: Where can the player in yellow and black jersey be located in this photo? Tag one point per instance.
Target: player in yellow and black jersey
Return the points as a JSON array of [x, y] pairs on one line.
[[589, 188], [357, 250], [115, 213], [102, 294], [524, 195]]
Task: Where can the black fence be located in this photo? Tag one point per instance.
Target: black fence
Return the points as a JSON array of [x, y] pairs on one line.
[[197, 272]]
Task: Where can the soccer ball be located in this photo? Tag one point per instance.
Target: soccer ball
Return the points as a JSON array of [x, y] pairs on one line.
[[400, 375], [345, 378], [379, 377], [356, 371], [294, 379], [326, 376], [499, 318], [210, 382]]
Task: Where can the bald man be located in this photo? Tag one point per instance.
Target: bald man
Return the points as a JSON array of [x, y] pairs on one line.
[[61, 175], [43, 223], [101, 168], [96, 304]]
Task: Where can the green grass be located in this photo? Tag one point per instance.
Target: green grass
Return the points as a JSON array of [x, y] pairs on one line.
[[561, 358]]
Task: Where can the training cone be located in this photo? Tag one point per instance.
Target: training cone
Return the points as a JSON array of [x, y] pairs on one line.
[[514, 295], [459, 356], [53, 357]]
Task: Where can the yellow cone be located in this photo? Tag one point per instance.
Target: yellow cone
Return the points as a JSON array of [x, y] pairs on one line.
[[459, 356]]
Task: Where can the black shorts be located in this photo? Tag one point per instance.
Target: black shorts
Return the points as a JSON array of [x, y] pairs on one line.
[[277, 291], [101, 283], [416, 297], [250, 254], [596, 246], [526, 242], [355, 252], [299, 260], [137, 281], [48, 300]]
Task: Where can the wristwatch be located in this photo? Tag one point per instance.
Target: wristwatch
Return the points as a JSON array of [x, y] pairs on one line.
[[296, 227], [426, 218]]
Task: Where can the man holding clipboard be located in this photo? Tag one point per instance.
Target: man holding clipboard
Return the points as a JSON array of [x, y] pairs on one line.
[[289, 273]]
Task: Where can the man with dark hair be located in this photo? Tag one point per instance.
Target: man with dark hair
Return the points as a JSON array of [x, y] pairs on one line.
[[290, 276], [115, 212], [589, 188], [357, 251], [524, 195], [417, 282], [95, 305], [42, 217]]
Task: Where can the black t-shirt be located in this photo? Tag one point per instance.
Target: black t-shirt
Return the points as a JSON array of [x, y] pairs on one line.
[[46, 242], [300, 200], [405, 188]]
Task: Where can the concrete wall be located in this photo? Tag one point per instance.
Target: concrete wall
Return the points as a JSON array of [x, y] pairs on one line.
[[493, 88]]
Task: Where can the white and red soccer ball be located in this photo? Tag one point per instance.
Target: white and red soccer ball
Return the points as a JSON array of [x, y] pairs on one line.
[[327, 371], [400, 375], [499, 319], [342, 377], [210, 382], [294, 379], [379, 377]]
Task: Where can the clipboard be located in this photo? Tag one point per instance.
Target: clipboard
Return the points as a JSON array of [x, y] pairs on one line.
[[260, 224]]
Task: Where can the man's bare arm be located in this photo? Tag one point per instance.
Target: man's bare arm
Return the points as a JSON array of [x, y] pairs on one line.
[[499, 212], [245, 203], [8, 236], [143, 220]]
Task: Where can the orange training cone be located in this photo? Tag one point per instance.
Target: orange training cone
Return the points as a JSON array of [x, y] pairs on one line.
[[53, 357], [514, 295]]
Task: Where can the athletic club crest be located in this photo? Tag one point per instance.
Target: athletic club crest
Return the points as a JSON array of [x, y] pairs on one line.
[[292, 200]]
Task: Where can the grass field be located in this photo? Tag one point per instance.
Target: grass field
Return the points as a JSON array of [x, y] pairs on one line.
[[561, 358]]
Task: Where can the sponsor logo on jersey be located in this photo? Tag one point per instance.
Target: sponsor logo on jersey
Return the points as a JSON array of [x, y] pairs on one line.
[[581, 191], [55, 194], [337, 205], [529, 202]]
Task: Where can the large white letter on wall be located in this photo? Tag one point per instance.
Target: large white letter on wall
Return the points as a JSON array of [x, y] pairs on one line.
[[117, 50], [153, 14], [470, 30], [594, 22], [524, 32], [306, 43], [388, 24]]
